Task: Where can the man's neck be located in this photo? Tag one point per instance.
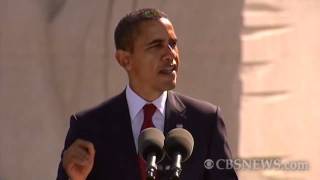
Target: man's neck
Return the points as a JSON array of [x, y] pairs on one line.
[[147, 95]]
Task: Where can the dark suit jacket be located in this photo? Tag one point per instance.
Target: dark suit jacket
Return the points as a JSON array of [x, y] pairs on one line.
[[108, 127]]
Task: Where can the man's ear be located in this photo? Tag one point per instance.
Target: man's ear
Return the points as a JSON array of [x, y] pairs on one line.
[[123, 58]]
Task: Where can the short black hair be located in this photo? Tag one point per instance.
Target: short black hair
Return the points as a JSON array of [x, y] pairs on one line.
[[128, 27]]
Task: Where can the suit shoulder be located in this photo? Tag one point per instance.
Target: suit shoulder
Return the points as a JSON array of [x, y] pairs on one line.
[[196, 104], [103, 108]]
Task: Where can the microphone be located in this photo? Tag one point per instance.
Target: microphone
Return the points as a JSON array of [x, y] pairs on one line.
[[178, 146], [150, 147]]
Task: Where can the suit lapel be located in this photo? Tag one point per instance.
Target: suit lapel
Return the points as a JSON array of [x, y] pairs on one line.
[[174, 113], [122, 131], [174, 117]]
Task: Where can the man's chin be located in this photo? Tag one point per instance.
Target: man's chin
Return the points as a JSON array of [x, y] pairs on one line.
[[169, 86]]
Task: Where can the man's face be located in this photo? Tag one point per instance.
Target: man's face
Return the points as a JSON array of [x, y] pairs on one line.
[[155, 58]]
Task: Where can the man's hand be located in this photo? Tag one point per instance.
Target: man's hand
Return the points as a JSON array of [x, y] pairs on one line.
[[78, 159]]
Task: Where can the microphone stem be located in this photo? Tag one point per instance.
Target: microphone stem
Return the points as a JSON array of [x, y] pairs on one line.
[[152, 167], [176, 167]]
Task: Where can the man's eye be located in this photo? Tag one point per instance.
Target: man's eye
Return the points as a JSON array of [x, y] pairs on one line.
[[173, 44]]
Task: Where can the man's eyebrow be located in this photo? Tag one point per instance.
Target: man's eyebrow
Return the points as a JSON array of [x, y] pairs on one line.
[[174, 40], [155, 41]]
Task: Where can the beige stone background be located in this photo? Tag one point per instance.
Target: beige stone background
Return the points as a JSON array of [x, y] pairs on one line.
[[257, 59]]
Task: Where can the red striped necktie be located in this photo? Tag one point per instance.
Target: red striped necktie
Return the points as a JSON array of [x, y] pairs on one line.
[[148, 111]]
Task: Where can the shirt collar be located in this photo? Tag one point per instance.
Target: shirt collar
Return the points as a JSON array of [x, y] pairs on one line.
[[136, 103]]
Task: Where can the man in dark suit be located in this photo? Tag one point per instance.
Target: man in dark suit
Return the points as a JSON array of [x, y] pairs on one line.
[[102, 142]]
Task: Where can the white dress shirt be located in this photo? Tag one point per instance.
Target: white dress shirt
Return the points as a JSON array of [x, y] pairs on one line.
[[135, 105]]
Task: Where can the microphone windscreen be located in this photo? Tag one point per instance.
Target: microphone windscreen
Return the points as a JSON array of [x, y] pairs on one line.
[[151, 140], [179, 140]]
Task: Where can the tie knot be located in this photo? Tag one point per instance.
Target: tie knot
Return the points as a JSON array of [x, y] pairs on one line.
[[149, 110]]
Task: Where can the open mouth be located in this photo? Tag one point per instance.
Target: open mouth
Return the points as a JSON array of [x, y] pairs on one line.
[[169, 69]]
